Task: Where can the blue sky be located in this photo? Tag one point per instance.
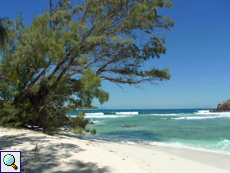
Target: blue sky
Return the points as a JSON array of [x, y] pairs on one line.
[[198, 56]]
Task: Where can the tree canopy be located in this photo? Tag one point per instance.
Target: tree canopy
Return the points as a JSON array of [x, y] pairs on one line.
[[3, 34], [65, 53]]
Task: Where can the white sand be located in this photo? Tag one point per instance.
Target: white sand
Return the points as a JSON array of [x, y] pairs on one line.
[[62, 153]]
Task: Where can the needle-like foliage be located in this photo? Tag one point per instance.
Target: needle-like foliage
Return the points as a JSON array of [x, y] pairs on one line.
[[65, 53]]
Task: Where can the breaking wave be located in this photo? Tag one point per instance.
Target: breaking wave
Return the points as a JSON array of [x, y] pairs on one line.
[[164, 114], [121, 113]]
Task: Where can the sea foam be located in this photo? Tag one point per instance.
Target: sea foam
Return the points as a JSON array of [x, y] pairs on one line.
[[205, 112], [99, 113], [164, 114], [106, 116], [132, 113], [224, 144], [198, 118]]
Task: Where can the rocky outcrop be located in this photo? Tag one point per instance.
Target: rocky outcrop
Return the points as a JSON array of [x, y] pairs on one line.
[[223, 106]]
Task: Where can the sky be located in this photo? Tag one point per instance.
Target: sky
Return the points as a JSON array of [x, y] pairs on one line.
[[198, 56]]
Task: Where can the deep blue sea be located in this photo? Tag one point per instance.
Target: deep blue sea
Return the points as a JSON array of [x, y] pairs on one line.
[[189, 128]]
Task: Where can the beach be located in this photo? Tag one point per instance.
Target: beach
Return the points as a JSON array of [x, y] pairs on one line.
[[65, 153]]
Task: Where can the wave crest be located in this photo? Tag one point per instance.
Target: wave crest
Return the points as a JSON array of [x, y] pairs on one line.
[[132, 113], [164, 114], [106, 116]]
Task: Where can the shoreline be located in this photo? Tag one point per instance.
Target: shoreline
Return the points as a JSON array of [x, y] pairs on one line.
[[63, 153], [160, 144], [190, 153], [205, 157]]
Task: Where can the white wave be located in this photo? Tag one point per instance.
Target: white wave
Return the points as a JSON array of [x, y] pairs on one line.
[[181, 145], [202, 112], [224, 144], [128, 142], [106, 116], [99, 113], [206, 112], [181, 118], [198, 118], [163, 114], [132, 113], [95, 122]]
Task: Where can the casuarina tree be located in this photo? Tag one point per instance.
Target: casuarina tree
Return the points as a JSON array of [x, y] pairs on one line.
[[60, 59]]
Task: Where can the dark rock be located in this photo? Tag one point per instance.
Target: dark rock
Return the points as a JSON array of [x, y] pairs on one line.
[[223, 106], [127, 125]]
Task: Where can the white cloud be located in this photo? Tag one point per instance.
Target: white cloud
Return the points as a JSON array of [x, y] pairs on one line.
[[206, 79]]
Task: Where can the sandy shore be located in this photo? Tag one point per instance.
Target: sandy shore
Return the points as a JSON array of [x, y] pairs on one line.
[[61, 153]]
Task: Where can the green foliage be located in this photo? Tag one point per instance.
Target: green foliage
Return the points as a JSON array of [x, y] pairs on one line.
[[79, 124], [90, 79], [12, 116], [63, 56], [3, 35]]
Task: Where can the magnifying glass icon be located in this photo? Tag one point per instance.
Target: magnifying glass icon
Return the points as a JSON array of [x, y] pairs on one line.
[[9, 160]]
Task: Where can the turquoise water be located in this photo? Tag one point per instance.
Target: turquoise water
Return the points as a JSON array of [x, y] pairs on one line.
[[191, 128]]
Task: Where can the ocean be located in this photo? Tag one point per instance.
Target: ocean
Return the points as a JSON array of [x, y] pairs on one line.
[[189, 128]]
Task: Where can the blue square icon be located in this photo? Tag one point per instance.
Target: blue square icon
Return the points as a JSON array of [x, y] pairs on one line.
[[10, 161]]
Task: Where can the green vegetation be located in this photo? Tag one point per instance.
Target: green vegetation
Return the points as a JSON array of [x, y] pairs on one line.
[[65, 53], [3, 35], [70, 108], [79, 123]]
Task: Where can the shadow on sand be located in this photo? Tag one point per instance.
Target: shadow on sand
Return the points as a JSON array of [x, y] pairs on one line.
[[46, 156]]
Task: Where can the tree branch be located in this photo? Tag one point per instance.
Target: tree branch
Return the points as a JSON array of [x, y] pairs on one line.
[[62, 73], [31, 84], [125, 82]]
